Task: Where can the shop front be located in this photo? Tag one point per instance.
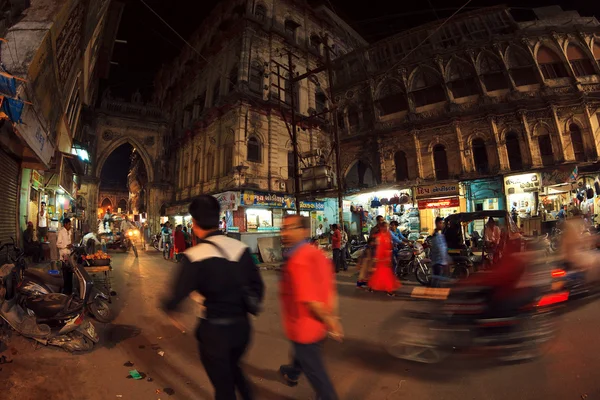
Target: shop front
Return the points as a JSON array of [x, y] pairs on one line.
[[522, 195], [559, 188], [361, 210], [438, 200], [483, 195]]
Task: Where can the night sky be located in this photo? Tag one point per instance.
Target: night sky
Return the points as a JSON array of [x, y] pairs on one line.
[[151, 43], [115, 170]]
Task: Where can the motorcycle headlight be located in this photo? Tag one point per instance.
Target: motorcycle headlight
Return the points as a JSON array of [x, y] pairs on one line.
[[136, 232], [129, 233]]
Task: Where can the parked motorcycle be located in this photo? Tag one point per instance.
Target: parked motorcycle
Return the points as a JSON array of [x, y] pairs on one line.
[[52, 319], [33, 282], [412, 260]]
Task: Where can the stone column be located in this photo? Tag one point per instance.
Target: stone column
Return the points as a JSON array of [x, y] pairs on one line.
[[466, 164], [503, 162], [419, 156], [91, 196], [594, 126], [534, 151], [565, 152]]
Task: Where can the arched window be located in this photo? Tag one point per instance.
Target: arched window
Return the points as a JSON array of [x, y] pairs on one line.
[[341, 120], [391, 100], [254, 149], [596, 52], [228, 159], [256, 78], [492, 73], [215, 92], [315, 43], [197, 170], [210, 166], [440, 162], [401, 164], [521, 67], [288, 95], [577, 141], [480, 157], [233, 77], [513, 148], [320, 100], [550, 63], [353, 119], [290, 28], [426, 88], [461, 80], [260, 12], [546, 152], [582, 66]]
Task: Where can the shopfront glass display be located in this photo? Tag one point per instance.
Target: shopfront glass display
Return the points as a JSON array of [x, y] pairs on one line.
[[258, 219]]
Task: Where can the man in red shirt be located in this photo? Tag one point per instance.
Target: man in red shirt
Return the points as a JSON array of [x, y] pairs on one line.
[[336, 245], [308, 299]]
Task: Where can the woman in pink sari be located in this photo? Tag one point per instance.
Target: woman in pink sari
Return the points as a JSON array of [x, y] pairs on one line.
[[383, 279]]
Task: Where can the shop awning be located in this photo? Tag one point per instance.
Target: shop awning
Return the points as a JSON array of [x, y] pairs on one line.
[[76, 164]]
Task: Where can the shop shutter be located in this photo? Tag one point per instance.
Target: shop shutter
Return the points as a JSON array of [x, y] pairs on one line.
[[9, 184]]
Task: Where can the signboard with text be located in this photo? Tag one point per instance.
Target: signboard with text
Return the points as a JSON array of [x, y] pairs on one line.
[[524, 183], [451, 202], [229, 201], [437, 190], [312, 206], [273, 200]]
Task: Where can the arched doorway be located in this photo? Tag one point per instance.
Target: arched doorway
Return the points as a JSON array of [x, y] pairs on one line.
[[440, 162], [577, 141], [480, 157], [360, 175], [513, 148], [401, 164], [123, 205], [106, 205]]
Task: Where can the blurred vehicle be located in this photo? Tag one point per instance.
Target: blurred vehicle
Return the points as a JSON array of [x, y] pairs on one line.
[[514, 319]]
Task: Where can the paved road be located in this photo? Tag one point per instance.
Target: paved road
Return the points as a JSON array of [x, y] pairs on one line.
[[359, 368]]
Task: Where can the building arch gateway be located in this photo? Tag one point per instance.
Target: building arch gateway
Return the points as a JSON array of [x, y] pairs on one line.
[[105, 152]]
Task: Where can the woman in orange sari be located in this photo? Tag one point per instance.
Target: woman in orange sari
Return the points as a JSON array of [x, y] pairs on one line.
[[383, 279]]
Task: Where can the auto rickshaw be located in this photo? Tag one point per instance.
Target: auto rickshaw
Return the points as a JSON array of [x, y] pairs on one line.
[[465, 236]]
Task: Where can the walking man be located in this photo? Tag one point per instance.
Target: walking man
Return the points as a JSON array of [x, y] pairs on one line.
[[336, 246], [438, 253], [308, 299], [222, 271], [64, 241]]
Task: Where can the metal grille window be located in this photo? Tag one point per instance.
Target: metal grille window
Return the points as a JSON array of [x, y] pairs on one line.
[[550, 63], [582, 65], [513, 148], [461, 80], [546, 152], [391, 100], [401, 165], [480, 157], [260, 12], [521, 67], [427, 88], [577, 141], [492, 74], [254, 149]]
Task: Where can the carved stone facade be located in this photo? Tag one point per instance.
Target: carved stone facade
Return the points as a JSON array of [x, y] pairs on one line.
[[229, 113], [513, 97]]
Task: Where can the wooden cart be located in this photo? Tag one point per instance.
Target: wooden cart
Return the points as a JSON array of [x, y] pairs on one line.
[[101, 275]]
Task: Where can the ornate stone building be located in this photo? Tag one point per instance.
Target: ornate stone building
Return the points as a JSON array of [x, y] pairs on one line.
[[481, 95], [228, 117]]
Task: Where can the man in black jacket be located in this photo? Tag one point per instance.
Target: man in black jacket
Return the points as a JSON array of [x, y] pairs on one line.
[[222, 270]]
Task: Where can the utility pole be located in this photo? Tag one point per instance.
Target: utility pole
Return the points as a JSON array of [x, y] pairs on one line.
[[336, 134], [332, 111], [294, 130]]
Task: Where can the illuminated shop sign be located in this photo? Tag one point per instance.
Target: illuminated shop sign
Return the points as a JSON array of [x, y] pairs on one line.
[[439, 203]]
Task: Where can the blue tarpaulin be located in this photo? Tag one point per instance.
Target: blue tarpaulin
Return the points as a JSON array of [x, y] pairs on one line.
[[13, 109], [8, 85]]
